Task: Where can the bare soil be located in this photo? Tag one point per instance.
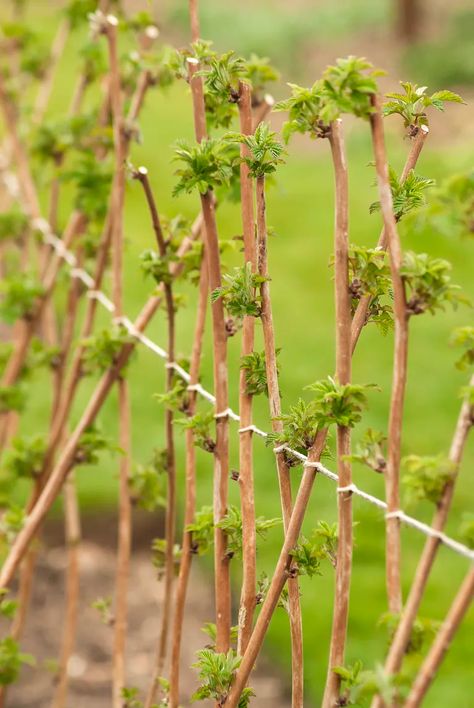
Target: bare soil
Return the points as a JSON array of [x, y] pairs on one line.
[[90, 665]]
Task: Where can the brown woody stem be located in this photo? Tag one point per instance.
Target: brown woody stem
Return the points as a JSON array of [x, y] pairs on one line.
[[343, 373], [392, 481]]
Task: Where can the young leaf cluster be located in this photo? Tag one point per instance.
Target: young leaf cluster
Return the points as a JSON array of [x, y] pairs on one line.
[[91, 443], [201, 424], [370, 451], [254, 366], [464, 337], [310, 553], [148, 482], [91, 179], [423, 631], [358, 686], [175, 399], [369, 276], [207, 165], [426, 477], [11, 661], [428, 283], [412, 104], [407, 195], [339, 404], [265, 149], [300, 426], [202, 530], [345, 87], [238, 292], [18, 296], [159, 547], [13, 224], [216, 672], [101, 350], [231, 523], [24, 459]]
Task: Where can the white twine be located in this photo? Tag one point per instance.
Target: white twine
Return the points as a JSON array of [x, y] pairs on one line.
[[228, 413], [348, 488], [83, 275], [43, 226]]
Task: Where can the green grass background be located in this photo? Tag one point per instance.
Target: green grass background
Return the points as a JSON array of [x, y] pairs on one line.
[[300, 211]]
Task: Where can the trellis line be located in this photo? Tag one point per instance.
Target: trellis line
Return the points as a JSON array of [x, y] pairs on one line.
[[54, 242]]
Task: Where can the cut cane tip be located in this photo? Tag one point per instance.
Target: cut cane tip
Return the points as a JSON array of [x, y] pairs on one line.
[[152, 32], [112, 20], [192, 60]]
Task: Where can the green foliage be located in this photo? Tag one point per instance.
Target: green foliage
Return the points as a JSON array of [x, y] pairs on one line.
[[91, 443], [94, 61], [369, 276], [24, 459], [211, 630], [77, 12], [158, 548], [18, 295], [370, 451], [265, 150], [12, 398], [216, 673], [255, 373], [304, 107], [358, 686], [350, 680], [339, 404], [348, 86], [412, 104], [92, 180], [238, 292], [428, 283], [466, 530], [53, 139], [39, 356], [201, 425], [231, 523], [207, 165], [33, 53], [176, 399], [13, 224], [451, 212], [11, 661], [202, 530], [103, 605], [427, 477], [310, 553], [156, 266], [192, 261], [130, 698], [8, 607], [300, 426], [407, 195], [221, 87], [101, 351], [259, 72], [345, 87], [423, 631], [148, 482], [11, 523], [464, 337], [307, 558]]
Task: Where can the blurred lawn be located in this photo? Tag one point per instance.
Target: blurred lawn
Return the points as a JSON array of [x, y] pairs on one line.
[[300, 211]]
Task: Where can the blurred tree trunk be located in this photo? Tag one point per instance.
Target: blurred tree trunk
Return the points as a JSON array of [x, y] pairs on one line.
[[408, 19]]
